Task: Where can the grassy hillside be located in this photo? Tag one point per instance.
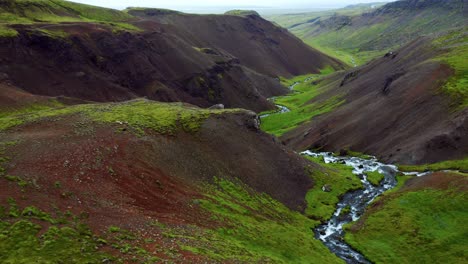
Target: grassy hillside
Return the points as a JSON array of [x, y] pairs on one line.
[[293, 20], [359, 36], [259, 229], [30, 11], [234, 222], [57, 11], [419, 223], [455, 47]]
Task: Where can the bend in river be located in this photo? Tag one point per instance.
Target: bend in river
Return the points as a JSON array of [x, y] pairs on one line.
[[331, 233]]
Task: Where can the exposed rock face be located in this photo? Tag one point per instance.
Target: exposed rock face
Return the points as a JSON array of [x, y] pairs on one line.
[[217, 106]]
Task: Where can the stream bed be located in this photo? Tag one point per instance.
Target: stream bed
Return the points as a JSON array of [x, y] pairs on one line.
[[353, 204]]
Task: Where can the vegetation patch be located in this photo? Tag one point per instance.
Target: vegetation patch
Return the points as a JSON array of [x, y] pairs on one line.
[[357, 154], [455, 45], [30, 108], [329, 186], [461, 165], [299, 103], [59, 11], [7, 32], [282, 123], [257, 228], [164, 118], [416, 226], [28, 236], [374, 177]]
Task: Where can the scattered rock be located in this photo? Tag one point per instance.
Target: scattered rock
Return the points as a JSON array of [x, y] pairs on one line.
[[4, 77], [389, 54], [217, 106], [349, 77], [252, 121], [80, 74], [327, 188]]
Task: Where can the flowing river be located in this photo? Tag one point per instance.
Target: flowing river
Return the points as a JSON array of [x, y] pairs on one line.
[[352, 204]]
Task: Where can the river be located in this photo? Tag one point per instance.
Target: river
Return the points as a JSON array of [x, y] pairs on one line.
[[353, 204]]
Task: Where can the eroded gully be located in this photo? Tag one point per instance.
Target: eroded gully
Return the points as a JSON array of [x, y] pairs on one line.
[[352, 204]]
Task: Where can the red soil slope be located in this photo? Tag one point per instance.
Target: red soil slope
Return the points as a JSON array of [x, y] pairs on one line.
[[116, 178]]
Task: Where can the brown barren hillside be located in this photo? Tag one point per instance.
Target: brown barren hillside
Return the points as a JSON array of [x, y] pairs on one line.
[[256, 42], [395, 108], [202, 60]]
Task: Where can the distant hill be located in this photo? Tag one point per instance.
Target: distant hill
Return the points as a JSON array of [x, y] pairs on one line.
[[377, 30]]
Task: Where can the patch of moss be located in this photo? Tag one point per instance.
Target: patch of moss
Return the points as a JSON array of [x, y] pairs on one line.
[[299, 103], [25, 241], [34, 107], [357, 154], [374, 177], [439, 166], [340, 179], [58, 11], [256, 229], [7, 32], [164, 118], [284, 122], [455, 47]]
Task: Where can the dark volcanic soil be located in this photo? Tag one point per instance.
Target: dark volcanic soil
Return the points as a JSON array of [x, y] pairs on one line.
[[202, 60], [393, 110], [112, 174], [116, 178]]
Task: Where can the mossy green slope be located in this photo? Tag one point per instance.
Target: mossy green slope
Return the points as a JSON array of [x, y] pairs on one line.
[[140, 115], [461, 164], [257, 229], [32, 11], [25, 238], [454, 45], [416, 226], [58, 11]]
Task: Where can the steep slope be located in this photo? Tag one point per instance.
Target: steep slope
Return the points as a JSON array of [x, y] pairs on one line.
[[376, 31], [152, 181], [98, 54], [409, 106], [257, 43]]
